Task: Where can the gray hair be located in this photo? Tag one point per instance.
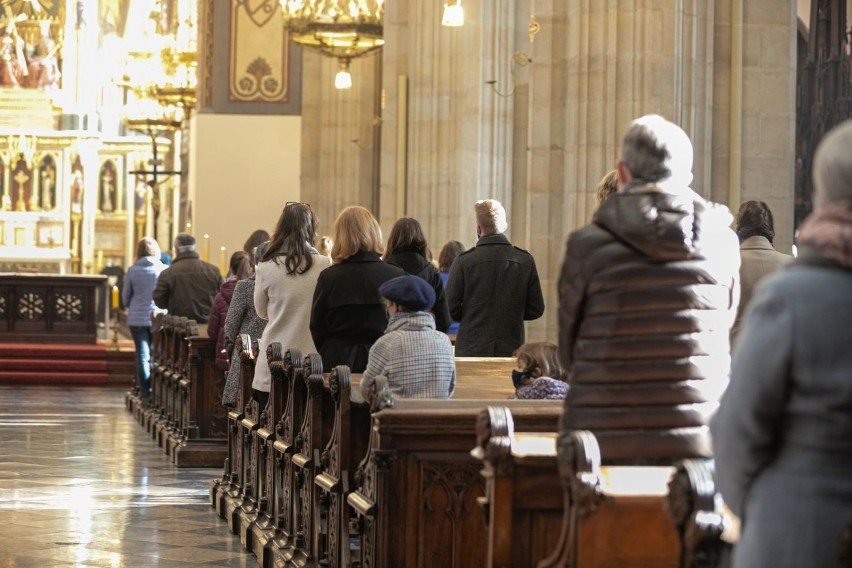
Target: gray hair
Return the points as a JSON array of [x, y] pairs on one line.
[[655, 149], [184, 242], [832, 170]]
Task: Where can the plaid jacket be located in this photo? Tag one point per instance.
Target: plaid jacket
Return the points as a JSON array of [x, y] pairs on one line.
[[416, 360]]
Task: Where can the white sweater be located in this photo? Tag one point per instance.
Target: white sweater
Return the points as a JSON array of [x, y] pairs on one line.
[[285, 300]]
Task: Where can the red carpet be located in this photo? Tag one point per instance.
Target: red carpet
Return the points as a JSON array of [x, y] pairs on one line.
[[44, 364]]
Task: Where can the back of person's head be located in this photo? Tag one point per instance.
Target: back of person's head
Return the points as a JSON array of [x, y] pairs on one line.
[[147, 247], [166, 258], [294, 236], [754, 219], [254, 240], [184, 242], [241, 265], [410, 292], [324, 245], [541, 355], [656, 150], [355, 230], [407, 235], [448, 255], [607, 187], [832, 170], [490, 217]]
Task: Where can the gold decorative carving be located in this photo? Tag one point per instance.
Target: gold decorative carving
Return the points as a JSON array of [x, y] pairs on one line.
[[259, 53]]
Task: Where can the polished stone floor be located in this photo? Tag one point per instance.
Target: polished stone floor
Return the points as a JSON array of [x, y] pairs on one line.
[[82, 484]]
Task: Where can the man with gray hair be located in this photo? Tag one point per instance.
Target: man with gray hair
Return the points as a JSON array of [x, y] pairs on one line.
[[492, 289], [188, 286], [647, 296]]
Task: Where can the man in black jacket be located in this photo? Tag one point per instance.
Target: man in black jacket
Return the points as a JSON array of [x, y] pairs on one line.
[[492, 289], [188, 286]]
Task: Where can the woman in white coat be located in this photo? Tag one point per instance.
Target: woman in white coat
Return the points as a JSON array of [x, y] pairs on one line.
[[286, 277]]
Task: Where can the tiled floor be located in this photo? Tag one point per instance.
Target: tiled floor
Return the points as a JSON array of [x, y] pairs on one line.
[[82, 484]]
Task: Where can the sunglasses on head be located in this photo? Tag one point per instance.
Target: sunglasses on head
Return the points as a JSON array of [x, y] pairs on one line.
[[291, 203]]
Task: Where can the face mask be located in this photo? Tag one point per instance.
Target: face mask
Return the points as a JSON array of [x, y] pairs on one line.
[[520, 377]]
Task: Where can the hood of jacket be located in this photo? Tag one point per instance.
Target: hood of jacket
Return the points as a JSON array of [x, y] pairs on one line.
[[147, 261], [661, 225], [227, 288]]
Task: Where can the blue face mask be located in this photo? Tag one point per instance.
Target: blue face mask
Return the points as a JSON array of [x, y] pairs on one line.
[[520, 377]]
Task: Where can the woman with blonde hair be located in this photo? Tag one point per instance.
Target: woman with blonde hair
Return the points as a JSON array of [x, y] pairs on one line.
[[348, 312], [538, 374]]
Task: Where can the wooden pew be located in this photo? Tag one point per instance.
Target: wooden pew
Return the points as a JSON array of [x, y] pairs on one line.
[[417, 490], [522, 504], [228, 488], [272, 527], [176, 354], [694, 508], [160, 354], [200, 436]]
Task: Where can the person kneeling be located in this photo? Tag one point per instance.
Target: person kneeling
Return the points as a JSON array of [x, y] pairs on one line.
[[414, 358]]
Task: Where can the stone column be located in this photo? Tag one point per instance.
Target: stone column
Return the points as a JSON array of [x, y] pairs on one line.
[[455, 145], [340, 136]]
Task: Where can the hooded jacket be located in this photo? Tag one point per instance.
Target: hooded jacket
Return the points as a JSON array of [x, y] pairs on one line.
[[138, 290], [648, 293], [216, 323]]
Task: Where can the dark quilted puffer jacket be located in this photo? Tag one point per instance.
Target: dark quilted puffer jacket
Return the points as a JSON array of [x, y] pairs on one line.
[[648, 293]]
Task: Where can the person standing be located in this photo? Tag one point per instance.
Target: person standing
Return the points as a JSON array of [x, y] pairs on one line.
[[241, 268], [137, 294], [782, 438], [756, 231], [492, 289], [348, 312], [188, 286], [407, 248], [286, 278], [446, 258], [647, 295]]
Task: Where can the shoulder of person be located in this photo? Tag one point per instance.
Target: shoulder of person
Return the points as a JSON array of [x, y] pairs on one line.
[[524, 251]]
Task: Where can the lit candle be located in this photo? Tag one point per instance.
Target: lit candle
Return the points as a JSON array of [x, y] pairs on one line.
[[206, 254], [223, 267], [115, 297], [189, 228]]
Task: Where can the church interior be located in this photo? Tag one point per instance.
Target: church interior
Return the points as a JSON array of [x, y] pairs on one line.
[[124, 119]]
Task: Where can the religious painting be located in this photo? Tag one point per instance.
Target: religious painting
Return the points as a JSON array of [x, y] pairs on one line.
[[107, 188], [259, 52], [47, 183], [22, 185], [77, 186]]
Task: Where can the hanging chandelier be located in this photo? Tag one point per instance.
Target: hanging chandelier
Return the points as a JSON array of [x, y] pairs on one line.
[[344, 29]]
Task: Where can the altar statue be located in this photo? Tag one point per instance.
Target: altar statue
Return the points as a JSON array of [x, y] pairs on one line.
[[48, 184], [77, 192]]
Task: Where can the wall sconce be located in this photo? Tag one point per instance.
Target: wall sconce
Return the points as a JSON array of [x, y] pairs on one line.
[[343, 79], [453, 14]]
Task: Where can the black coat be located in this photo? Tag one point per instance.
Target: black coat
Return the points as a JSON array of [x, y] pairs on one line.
[[415, 264], [348, 313], [492, 289], [187, 287]]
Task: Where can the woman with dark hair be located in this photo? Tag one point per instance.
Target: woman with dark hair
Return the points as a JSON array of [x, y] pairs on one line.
[[756, 231], [257, 238], [446, 258], [286, 277], [240, 269], [407, 249], [137, 295], [348, 313]]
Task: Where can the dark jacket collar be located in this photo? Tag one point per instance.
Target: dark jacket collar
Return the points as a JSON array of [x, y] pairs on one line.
[[185, 255], [495, 239], [363, 256]]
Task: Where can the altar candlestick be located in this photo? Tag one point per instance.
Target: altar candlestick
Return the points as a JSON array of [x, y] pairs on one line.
[[115, 297], [206, 253], [223, 267]]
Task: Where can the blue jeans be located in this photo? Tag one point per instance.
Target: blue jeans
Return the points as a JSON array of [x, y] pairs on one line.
[[142, 339]]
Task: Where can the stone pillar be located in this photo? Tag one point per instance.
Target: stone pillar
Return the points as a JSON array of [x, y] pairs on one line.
[[340, 136], [456, 142]]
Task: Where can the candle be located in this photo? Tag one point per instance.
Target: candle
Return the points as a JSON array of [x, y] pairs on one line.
[[223, 267], [206, 250], [99, 262], [115, 297], [189, 228]]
